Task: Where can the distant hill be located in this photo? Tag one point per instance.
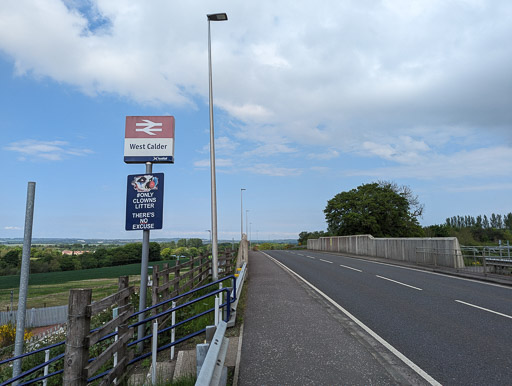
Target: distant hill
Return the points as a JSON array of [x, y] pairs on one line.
[[59, 241]]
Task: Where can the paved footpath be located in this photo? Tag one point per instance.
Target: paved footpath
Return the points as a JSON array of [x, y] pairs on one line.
[[292, 336]]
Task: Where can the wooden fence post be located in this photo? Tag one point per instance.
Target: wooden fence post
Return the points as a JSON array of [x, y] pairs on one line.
[[122, 353], [177, 274], [77, 350]]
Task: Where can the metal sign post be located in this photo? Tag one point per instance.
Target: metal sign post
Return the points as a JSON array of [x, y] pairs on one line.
[[25, 272], [144, 211], [148, 139]]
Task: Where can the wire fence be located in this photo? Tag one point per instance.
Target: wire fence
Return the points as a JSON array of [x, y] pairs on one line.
[[480, 260], [37, 317]]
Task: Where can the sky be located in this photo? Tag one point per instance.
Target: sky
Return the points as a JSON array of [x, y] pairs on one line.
[[310, 99]]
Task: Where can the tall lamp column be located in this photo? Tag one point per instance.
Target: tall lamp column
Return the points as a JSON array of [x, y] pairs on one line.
[[215, 264], [241, 214]]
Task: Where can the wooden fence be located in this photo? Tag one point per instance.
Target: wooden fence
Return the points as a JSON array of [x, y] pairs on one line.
[[79, 340], [172, 281], [167, 283]]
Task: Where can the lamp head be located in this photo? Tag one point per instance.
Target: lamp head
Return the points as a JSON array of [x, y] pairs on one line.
[[217, 17]]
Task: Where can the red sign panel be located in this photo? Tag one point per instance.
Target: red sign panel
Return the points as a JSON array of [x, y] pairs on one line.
[[149, 127]]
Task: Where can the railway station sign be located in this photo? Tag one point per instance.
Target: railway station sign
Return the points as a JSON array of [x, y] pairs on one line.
[[149, 139], [144, 201]]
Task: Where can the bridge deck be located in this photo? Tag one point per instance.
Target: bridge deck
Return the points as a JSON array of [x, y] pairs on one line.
[[294, 337]]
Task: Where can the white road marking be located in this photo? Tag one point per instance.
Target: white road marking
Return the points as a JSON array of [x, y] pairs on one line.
[[485, 309], [401, 356], [423, 271], [326, 261], [346, 266], [398, 282], [311, 257]]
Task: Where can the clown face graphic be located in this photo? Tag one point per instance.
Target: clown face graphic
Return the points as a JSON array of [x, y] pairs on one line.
[[145, 183]]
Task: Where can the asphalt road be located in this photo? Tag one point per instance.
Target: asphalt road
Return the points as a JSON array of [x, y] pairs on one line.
[[456, 330]]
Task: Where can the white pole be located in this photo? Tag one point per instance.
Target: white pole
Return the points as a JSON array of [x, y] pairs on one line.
[[220, 304], [154, 352], [216, 310], [241, 214], [215, 267], [46, 359], [115, 313], [173, 332]]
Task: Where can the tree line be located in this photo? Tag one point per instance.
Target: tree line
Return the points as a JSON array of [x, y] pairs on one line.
[[51, 259], [385, 209], [494, 221]]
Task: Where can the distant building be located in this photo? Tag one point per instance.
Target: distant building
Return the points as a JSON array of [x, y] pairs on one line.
[[66, 252]]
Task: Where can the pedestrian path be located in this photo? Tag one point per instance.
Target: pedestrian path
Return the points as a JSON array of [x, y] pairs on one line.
[[291, 336]]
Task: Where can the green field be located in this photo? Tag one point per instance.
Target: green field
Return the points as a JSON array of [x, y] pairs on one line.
[[52, 288]]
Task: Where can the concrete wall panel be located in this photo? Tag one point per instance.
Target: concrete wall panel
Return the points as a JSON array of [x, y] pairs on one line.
[[442, 251]]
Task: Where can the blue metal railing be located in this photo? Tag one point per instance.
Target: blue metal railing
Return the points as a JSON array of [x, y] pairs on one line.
[[231, 297]]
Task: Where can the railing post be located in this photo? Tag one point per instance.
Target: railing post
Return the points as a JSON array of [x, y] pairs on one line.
[[173, 331], [154, 351], [45, 373], [77, 350], [484, 261], [154, 288]]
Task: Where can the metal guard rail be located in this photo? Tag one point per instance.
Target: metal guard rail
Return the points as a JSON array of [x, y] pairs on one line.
[[60, 356], [211, 370]]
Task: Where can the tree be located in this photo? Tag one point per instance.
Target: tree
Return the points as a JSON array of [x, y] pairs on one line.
[[305, 236], [181, 251], [196, 243], [154, 251], [12, 258], [415, 207], [374, 209], [437, 231], [166, 253]]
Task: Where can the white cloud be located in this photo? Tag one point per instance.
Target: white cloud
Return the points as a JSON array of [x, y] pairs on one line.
[[495, 162], [327, 155], [269, 149], [404, 150], [476, 187], [273, 170], [48, 150], [219, 162], [347, 75], [12, 228], [223, 145]]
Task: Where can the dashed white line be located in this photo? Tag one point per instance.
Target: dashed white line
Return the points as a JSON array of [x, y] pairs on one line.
[[311, 257], [326, 261], [398, 282], [402, 357], [485, 309], [346, 266]]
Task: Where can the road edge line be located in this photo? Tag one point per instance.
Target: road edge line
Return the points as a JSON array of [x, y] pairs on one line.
[[373, 334]]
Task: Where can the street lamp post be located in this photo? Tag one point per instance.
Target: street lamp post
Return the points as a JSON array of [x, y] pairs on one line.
[[247, 221], [215, 265], [241, 214], [210, 236]]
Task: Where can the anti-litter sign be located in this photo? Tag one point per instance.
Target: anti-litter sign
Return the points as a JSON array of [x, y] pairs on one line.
[[144, 201]]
